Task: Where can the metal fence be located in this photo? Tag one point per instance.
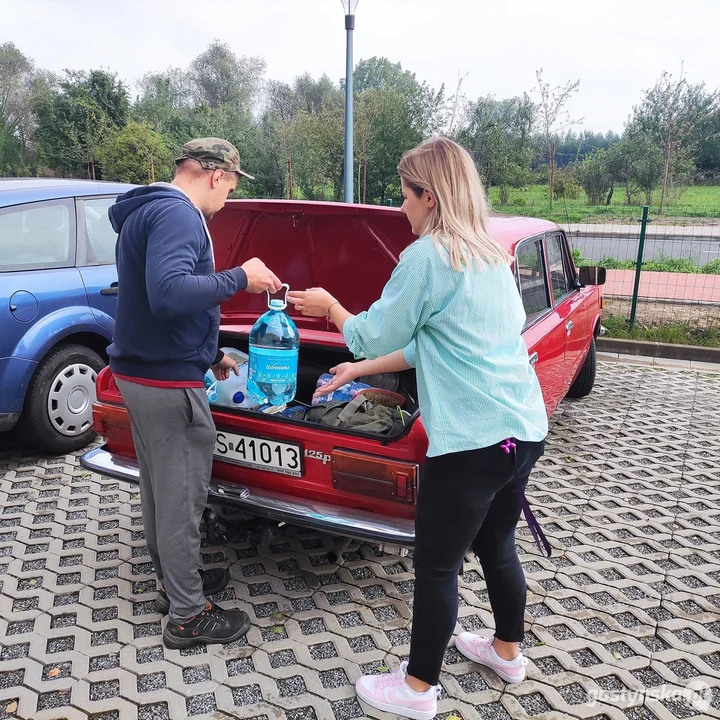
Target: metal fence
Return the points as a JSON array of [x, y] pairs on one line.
[[663, 273]]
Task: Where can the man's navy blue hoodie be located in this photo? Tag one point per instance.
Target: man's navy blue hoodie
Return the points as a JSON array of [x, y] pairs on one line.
[[168, 312]]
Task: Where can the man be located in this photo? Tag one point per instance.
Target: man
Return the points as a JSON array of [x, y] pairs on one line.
[[166, 337]]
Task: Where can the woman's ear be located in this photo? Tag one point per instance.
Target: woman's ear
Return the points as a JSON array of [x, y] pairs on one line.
[[430, 199]]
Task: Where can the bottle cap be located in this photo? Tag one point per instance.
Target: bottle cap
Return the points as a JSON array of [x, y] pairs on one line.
[[277, 305]]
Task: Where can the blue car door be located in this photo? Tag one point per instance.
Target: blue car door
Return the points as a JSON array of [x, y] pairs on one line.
[[38, 279], [37, 273], [96, 257]]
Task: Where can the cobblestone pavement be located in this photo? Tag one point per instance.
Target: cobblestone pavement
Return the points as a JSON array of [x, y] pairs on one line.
[[626, 613]]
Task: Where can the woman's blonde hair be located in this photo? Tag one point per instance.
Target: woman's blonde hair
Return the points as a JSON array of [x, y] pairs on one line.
[[459, 220]]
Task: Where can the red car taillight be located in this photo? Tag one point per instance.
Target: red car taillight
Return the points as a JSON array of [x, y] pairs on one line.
[[105, 414], [377, 477]]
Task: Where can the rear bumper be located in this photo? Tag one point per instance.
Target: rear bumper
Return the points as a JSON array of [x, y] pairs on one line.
[[330, 519]]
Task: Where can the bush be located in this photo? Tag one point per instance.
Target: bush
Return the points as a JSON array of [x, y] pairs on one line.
[[566, 186], [578, 259], [663, 263], [541, 176], [712, 268], [520, 176], [612, 263], [137, 154], [595, 177]]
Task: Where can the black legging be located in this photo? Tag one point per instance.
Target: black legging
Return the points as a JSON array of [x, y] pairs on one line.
[[467, 499]]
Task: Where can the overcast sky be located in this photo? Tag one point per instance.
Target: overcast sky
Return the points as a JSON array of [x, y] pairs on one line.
[[616, 48]]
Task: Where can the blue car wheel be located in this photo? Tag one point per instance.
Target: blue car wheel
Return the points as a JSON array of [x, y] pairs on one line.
[[57, 417]]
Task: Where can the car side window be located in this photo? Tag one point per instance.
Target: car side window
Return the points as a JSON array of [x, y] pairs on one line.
[[530, 273], [559, 273], [97, 235], [37, 236]]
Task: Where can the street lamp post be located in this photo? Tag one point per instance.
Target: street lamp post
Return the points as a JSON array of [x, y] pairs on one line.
[[349, 7]]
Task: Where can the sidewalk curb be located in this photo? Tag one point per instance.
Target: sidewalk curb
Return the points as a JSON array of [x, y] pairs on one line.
[[693, 353]]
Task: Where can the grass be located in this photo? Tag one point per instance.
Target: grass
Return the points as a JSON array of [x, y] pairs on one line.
[[690, 202], [679, 333]]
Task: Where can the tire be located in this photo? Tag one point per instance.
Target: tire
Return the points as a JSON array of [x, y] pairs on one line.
[[57, 417], [585, 380]]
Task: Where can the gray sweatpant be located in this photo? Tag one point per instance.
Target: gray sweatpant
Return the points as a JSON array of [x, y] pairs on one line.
[[174, 437]]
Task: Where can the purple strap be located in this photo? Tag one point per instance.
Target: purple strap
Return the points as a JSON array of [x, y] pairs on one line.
[[539, 536]]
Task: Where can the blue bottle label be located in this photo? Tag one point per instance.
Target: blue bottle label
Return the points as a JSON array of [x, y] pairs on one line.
[[270, 365]]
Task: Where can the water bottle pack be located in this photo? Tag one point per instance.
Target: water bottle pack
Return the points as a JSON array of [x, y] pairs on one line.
[[273, 356], [233, 392], [346, 393]]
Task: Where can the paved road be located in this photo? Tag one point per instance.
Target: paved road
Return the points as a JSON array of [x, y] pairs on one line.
[[596, 247], [627, 610]]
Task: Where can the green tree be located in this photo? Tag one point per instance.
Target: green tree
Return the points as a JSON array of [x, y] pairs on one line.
[[302, 131], [392, 133], [162, 97], [137, 154], [554, 119], [708, 155], [673, 115], [221, 78], [20, 86], [647, 166], [618, 165], [16, 77], [595, 177], [394, 113], [497, 134], [75, 121], [427, 109]]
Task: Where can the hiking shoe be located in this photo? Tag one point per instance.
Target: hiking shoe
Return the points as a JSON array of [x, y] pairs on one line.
[[214, 580], [391, 694], [213, 625], [480, 650]]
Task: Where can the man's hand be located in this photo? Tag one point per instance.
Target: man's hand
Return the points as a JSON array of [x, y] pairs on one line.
[[260, 278], [344, 373], [221, 371]]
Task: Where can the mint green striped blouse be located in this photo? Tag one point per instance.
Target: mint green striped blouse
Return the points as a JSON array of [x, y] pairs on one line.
[[461, 330]]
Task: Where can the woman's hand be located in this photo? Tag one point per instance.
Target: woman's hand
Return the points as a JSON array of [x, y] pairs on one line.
[[344, 373], [314, 302]]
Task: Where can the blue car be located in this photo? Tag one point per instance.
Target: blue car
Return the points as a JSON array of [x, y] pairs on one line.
[[58, 288]]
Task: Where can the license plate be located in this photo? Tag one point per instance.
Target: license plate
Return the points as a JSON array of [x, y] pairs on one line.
[[254, 452]]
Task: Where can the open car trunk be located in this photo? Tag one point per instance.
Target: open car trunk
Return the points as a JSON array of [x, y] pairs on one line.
[[349, 250], [313, 361]]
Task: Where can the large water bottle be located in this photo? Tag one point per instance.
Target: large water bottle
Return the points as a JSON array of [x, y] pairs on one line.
[[273, 362]]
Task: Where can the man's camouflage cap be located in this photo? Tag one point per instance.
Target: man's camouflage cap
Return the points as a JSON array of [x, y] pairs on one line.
[[214, 154]]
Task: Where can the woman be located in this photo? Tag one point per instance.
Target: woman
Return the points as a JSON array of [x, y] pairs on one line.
[[451, 309]]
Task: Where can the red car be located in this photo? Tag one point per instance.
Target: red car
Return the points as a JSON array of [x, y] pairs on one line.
[[346, 483]]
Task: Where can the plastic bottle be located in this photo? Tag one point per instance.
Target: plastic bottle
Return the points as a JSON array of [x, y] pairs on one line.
[[274, 346], [233, 392]]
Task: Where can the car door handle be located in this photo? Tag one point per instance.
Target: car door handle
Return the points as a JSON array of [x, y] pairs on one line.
[[112, 290], [569, 325], [534, 358]]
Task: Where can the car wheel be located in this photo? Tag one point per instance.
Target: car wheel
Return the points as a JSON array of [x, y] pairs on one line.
[[57, 417], [585, 380]]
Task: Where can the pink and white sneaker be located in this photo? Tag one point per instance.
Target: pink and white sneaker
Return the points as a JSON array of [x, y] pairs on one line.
[[480, 650], [391, 694]]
